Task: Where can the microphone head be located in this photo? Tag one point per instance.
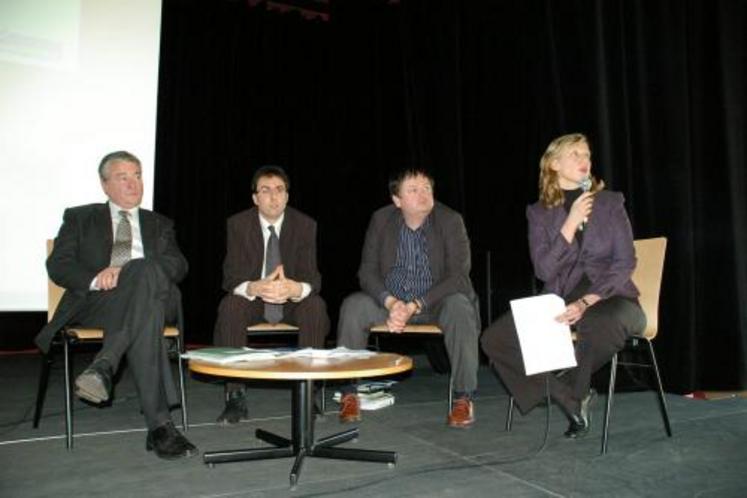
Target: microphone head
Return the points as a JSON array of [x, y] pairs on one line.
[[585, 184]]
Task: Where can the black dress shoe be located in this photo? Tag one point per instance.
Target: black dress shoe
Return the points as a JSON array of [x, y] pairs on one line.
[[169, 443], [581, 421], [236, 409], [95, 383]]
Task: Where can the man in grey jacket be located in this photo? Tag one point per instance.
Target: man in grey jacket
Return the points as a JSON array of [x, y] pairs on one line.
[[415, 269]]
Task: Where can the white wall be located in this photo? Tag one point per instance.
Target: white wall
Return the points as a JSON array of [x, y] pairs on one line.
[[78, 79]]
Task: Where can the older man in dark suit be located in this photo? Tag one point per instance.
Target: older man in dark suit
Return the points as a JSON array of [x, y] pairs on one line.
[[119, 265], [415, 269], [270, 274]]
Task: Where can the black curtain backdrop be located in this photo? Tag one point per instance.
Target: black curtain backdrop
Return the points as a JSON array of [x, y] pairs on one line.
[[473, 91]]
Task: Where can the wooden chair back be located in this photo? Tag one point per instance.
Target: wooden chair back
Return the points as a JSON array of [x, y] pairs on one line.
[[54, 291], [647, 277], [381, 328]]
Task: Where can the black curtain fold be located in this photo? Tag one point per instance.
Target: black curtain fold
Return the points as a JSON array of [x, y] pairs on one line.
[[732, 65], [473, 91]]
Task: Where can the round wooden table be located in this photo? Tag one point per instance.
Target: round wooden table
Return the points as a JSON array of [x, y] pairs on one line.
[[303, 372]]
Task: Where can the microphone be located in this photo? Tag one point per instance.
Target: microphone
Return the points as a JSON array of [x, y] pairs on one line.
[[585, 185]]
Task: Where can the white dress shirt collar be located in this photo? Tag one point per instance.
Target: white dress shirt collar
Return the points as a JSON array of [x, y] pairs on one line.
[[114, 210], [265, 225]]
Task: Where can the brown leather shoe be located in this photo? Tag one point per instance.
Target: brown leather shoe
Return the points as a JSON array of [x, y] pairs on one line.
[[462, 414], [350, 408]]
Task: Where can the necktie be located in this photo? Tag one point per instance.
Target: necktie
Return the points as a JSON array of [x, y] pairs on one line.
[[122, 248], [273, 312]]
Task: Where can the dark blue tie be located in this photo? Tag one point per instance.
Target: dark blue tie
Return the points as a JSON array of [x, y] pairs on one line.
[[273, 312]]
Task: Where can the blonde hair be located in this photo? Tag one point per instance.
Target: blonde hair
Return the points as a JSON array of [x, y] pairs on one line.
[[550, 193]]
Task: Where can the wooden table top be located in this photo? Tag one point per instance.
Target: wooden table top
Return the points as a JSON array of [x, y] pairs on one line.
[[309, 368]]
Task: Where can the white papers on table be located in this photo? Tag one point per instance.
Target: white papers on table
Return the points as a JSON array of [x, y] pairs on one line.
[[545, 343], [340, 352], [226, 356]]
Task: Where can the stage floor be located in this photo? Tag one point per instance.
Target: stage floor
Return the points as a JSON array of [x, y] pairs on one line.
[[705, 457]]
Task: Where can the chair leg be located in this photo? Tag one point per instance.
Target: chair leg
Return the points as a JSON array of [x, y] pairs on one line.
[[68, 393], [41, 392], [182, 382], [608, 407], [510, 413], [323, 401], [660, 390], [320, 398]]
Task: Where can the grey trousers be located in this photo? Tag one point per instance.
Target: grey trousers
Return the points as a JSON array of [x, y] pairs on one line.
[[456, 315]]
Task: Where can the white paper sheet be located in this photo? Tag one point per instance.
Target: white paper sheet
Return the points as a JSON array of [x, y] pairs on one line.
[[227, 356], [546, 345]]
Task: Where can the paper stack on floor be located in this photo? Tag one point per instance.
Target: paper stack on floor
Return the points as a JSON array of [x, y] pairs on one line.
[[372, 395]]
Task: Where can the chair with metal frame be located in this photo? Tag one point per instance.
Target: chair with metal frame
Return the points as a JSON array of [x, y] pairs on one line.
[[72, 335], [647, 276]]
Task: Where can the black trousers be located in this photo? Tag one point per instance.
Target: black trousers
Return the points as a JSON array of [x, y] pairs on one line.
[[133, 316], [236, 313], [601, 333]]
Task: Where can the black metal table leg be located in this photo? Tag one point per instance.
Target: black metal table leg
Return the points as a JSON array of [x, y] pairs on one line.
[[354, 454], [302, 444], [273, 439], [339, 438], [214, 457], [296, 469]]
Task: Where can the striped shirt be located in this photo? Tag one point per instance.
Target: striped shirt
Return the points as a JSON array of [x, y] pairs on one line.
[[410, 277]]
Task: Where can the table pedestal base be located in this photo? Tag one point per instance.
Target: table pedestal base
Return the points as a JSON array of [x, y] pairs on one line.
[[302, 443]]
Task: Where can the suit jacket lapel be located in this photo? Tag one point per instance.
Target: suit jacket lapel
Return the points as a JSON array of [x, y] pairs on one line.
[[390, 241], [104, 225], [104, 235], [254, 241], [147, 232], [286, 236], [436, 256]]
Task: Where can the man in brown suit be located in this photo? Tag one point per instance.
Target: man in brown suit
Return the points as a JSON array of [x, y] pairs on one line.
[[258, 291]]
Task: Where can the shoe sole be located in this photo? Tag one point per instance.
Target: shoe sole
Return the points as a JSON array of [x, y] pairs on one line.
[[461, 425], [90, 397], [576, 435], [91, 389], [589, 402]]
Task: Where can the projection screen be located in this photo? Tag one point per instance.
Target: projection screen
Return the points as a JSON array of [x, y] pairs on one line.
[[78, 79]]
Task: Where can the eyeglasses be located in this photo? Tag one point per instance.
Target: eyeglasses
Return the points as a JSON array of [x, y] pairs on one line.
[[279, 190]]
